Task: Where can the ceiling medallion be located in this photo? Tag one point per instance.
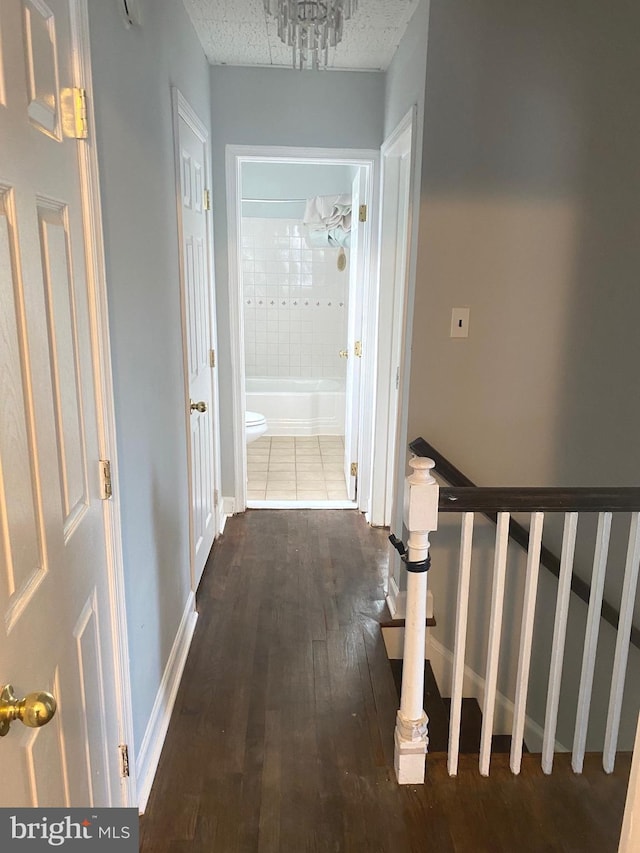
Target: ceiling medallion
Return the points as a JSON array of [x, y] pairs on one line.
[[310, 28]]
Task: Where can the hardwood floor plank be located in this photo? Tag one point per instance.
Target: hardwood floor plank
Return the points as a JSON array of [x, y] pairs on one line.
[[281, 739]]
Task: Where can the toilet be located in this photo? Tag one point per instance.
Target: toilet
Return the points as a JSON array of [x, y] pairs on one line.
[[255, 425]]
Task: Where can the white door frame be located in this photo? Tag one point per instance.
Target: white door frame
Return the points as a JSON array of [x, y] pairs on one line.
[[181, 108], [392, 304], [120, 703], [236, 155]]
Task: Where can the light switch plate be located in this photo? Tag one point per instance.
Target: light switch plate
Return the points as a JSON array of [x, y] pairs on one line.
[[460, 323]]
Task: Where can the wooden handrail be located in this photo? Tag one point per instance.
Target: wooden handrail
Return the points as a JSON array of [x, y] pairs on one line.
[[465, 496], [519, 499]]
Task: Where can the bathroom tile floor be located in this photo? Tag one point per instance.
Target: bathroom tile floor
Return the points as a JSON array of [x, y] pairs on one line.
[[296, 468]]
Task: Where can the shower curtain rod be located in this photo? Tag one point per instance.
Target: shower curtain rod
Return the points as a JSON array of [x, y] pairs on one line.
[[275, 200]]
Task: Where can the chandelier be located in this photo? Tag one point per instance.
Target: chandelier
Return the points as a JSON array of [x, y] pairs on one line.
[[310, 27]]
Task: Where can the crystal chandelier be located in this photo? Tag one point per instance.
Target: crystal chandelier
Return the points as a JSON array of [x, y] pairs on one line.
[[310, 27]]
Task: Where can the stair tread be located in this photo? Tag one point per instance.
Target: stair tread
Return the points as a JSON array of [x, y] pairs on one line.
[[438, 708], [434, 707]]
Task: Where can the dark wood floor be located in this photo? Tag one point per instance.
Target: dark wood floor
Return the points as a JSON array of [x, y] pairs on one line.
[[282, 734]]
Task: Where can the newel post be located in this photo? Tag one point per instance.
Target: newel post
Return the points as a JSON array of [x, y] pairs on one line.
[[420, 518]]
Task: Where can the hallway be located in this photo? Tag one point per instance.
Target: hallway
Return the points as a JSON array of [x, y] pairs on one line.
[[282, 735]]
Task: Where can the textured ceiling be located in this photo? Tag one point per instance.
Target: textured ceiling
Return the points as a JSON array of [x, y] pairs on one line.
[[238, 32]]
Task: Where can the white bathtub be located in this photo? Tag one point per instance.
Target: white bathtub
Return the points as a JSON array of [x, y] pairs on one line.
[[298, 406]]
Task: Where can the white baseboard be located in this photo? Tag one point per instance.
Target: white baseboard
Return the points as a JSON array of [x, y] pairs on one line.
[[396, 600], [149, 754], [441, 660], [227, 509]]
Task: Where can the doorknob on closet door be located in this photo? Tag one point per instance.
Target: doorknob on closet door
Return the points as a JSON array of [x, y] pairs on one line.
[[34, 710], [344, 353], [198, 407]]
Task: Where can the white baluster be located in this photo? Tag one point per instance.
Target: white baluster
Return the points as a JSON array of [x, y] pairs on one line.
[[622, 645], [420, 518], [466, 542], [526, 637], [495, 631], [591, 641], [559, 636]]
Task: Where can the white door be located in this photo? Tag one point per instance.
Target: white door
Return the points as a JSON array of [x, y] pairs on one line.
[[55, 630], [395, 250], [354, 337], [191, 145], [397, 324]]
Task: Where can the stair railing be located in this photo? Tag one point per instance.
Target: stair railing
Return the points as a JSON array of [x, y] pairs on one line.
[[498, 504]]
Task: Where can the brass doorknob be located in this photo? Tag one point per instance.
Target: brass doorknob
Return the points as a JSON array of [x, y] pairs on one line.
[[344, 353], [198, 407], [34, 710]]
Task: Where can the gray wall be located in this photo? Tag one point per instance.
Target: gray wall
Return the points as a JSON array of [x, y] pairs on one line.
[[529, 208], [405, 77], [133, 71], [290, 181], [529, 216], [257, 106]]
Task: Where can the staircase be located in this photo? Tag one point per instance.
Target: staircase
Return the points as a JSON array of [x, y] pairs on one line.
[[501, 610], [437, 710]]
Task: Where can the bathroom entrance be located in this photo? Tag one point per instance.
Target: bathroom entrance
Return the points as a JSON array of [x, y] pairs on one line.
[[302, 247]]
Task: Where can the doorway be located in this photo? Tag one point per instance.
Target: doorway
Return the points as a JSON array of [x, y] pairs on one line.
[[301, 371], [192, 155], [61, 572]]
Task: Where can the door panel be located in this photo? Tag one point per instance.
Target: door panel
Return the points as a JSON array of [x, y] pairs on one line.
[[21, 528], [54, 588], [198, 340], [40, 49], [65, 370]]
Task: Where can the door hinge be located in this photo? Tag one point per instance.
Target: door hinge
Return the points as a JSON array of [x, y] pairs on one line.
[[124, 760], [362, 213], [206, 202], [212, 358], [354, 469], [105, 479], [216, 497], [397, 377], [81, 126], [357, 349]]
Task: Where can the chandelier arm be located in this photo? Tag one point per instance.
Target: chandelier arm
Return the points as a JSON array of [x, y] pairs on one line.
[[310, 27]]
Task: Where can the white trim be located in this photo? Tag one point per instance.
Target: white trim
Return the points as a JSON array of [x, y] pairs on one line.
[[236, 329], [403, 391], [182, 109], [149, 753], [120, 702], [235, 156], [228, 506], [301, 504], [441, 660], [400, 143]]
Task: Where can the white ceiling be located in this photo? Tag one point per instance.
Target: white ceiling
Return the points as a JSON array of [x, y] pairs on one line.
[[239, 32]]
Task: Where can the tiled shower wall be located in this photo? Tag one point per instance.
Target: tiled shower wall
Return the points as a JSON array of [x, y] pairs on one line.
[[295, 302]]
